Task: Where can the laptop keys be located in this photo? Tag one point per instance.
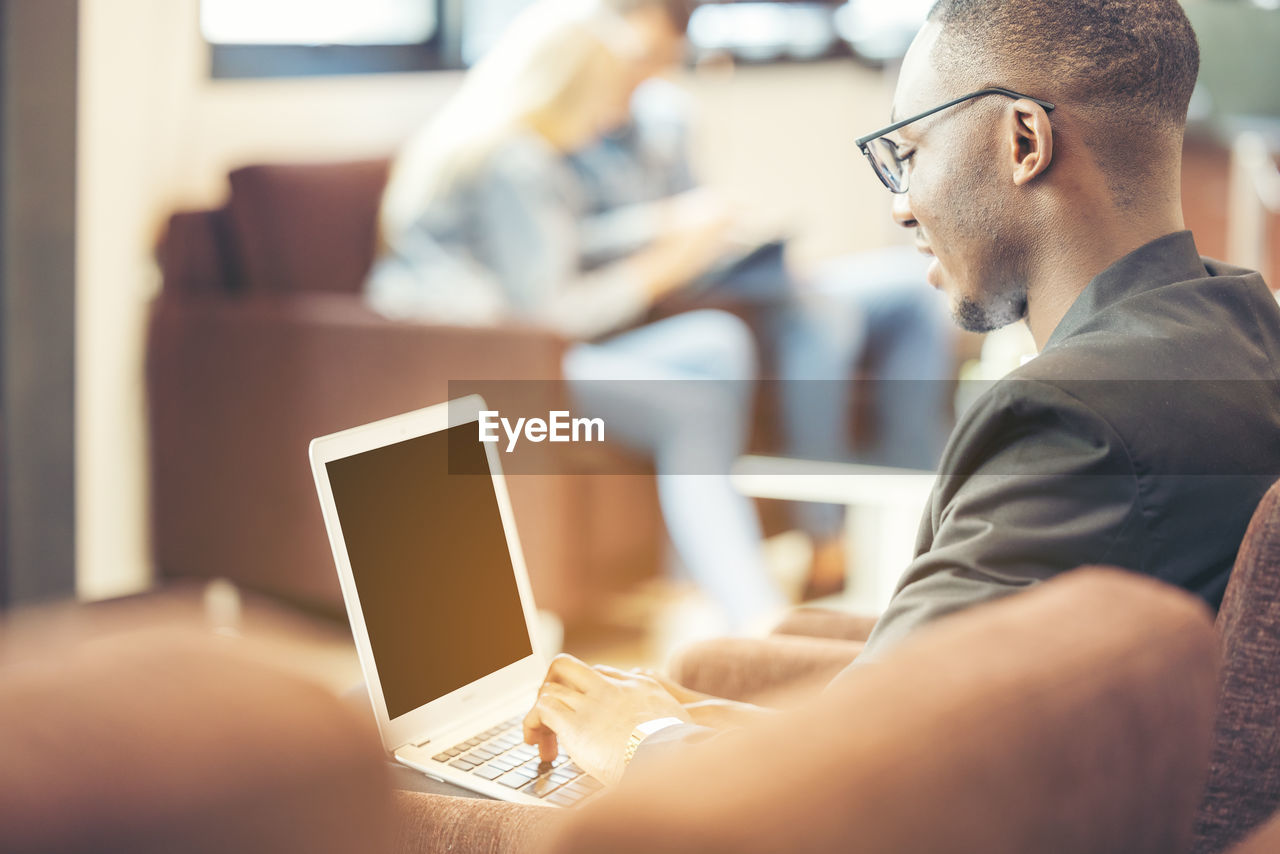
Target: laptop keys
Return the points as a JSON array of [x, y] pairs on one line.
[[517, 778], [561, 776], [523, 753], [563, 798], [541, 787], [500, 754]]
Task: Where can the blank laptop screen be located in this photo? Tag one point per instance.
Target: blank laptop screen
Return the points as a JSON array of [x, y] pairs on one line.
[[431, 565]]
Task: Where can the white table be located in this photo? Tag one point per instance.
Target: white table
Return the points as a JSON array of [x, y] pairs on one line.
[[884, 510]]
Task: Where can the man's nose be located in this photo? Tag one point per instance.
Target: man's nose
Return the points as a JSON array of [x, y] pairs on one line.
[[902, 214]]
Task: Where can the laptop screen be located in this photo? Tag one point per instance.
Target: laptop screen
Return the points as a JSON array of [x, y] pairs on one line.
[[431, 564]]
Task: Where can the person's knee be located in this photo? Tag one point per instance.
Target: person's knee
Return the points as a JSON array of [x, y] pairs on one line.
[[824, 332], [729, 350]]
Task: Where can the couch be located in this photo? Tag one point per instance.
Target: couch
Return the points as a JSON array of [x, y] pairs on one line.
[[1072, 718], [259, 341]]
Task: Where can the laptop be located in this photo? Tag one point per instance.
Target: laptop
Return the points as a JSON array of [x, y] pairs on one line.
[[439, 601]]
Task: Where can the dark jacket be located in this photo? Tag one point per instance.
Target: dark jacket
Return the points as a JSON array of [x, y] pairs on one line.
[[1143, 436]]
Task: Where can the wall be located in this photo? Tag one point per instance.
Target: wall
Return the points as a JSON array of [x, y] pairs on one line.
[[779, 139], [156, 134]]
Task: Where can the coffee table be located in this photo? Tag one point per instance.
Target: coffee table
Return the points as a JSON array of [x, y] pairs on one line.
[[884, 510]]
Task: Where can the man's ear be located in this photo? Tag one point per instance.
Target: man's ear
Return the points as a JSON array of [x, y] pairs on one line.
[[1031, 141]]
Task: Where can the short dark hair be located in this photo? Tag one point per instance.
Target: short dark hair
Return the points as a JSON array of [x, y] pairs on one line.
[[1138, 57], [678, 11]]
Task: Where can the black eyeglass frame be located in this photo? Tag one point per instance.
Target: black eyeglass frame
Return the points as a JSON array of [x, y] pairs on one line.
[[864, 143]]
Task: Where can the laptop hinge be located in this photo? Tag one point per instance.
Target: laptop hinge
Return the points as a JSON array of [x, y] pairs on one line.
[[420, 743]]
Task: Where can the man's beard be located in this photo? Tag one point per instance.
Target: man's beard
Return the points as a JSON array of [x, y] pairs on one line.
[[998, 296], [991, 313]]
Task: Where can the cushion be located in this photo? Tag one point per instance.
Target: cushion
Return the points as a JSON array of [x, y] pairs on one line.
[[306, 227], [193, 255]]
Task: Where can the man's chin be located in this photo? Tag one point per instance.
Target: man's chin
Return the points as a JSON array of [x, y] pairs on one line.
[[972, 316]]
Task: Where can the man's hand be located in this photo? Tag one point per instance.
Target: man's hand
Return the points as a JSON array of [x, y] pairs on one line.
[[709, 710], [591, 712]]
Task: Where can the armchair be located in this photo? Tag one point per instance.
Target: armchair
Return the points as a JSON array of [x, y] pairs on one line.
[[1073, 718], [1244, 772], [259, 341]]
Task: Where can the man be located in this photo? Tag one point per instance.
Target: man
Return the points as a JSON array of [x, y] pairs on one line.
[[1147, 429]]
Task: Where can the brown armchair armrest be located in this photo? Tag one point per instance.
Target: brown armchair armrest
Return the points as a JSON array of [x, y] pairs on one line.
[[1071, 718], [435, 823], [336, 339], [239, 387], [826, 623]]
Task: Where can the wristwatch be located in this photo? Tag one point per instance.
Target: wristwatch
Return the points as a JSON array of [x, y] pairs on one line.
[[643, 731]]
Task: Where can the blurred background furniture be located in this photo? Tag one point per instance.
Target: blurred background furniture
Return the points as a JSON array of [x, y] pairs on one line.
[[260, 341], [884, 507]]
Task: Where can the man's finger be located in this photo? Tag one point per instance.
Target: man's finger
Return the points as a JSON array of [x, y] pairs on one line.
[[615, 672], [537, 732], [570, 697], [555, 717], [674, 688], [572, 672]]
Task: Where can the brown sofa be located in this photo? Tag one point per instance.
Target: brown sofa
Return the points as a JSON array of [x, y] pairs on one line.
[[259, 342], [1074, 718]]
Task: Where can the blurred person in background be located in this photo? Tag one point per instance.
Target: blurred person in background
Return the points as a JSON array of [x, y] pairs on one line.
[[480, 224], [820, 326]]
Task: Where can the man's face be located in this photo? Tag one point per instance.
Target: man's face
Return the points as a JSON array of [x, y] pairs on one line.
[[958, 201], [660, 44]]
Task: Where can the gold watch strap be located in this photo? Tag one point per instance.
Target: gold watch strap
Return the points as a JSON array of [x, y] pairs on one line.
[[643, 731]]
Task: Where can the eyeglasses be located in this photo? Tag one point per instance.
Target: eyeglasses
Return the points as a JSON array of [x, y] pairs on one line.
[[884, 155]]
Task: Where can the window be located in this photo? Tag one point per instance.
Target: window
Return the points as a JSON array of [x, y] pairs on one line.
[[483, 21], [273, 38], [764, 31], [281, 38], [317, 22]]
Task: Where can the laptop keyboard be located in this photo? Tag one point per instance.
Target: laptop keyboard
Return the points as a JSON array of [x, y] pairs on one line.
[[500, 754]]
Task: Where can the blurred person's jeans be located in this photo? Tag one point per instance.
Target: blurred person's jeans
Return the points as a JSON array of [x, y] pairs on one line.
[[681, 391], [878, 303]]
